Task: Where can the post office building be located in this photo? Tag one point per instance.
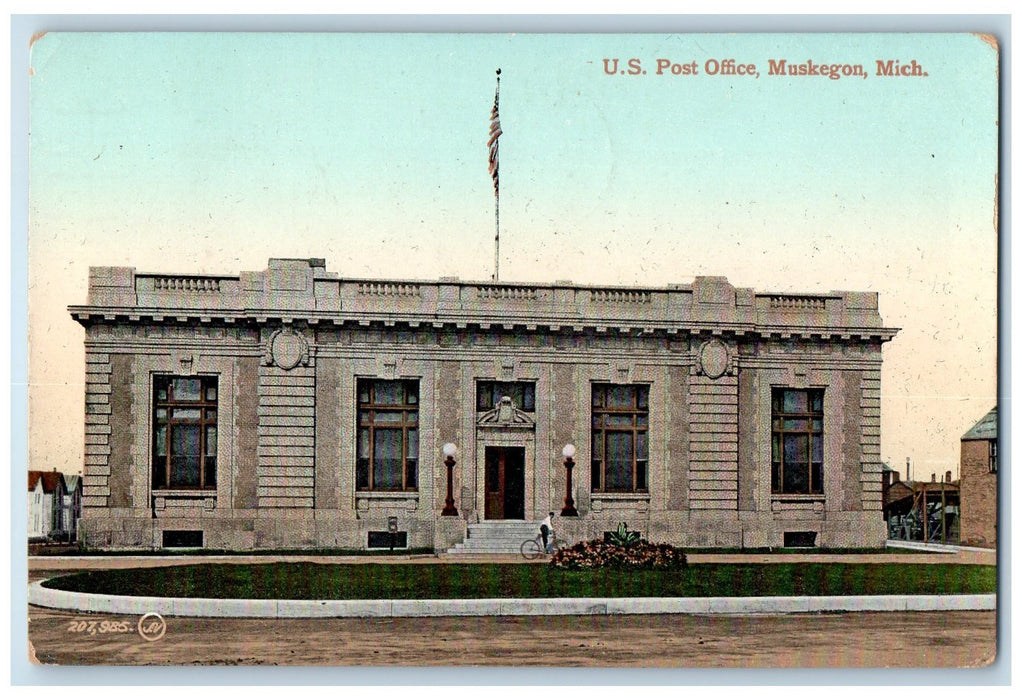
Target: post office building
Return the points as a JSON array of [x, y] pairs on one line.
[[296, 408]]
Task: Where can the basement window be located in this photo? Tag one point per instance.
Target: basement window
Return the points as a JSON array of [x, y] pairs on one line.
[[382, 539], [799, 539], [191, 539]]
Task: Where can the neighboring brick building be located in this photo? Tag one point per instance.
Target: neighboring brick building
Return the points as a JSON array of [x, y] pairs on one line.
[[978, 474], [293, 408]]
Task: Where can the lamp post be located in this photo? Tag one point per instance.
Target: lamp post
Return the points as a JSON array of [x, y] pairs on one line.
[[569, 461], [450, 450]]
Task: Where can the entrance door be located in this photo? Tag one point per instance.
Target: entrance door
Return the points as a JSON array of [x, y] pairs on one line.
[[505, 483]]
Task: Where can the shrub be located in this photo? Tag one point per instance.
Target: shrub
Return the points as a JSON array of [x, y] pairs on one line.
[[622, 537], [594, 554]]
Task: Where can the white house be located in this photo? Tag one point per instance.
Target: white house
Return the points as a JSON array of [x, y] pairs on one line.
[[46, 504]]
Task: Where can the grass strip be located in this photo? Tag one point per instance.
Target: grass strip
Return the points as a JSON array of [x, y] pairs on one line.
[[312, 581]]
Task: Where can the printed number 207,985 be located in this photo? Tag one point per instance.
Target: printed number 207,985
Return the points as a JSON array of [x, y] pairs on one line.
[[93, 627]]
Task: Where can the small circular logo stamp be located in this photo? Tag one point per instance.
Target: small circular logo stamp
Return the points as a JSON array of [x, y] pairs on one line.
[[151, 627]]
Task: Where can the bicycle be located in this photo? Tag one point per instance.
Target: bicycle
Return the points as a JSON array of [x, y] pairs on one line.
[[532, 549]]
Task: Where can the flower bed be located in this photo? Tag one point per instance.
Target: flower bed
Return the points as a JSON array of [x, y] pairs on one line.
[[595, 554]]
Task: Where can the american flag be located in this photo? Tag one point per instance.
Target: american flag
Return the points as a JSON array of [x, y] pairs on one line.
[[495, 133]]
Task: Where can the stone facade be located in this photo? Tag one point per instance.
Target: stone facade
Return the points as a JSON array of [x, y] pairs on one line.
[[288, 358], [978, 473]]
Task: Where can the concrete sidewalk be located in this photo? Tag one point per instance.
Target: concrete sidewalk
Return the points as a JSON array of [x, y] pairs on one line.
[[497, 607]]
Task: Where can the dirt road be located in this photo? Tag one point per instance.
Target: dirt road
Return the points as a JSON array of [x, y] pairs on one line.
[[956, 639]]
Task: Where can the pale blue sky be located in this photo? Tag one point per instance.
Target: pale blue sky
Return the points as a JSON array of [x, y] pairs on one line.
[[213, 152]]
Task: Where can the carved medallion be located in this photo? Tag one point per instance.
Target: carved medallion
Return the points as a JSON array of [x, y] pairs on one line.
[[287, 349], [714, 359]]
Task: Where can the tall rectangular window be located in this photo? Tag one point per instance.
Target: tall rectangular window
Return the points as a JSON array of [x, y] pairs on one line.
[[797, 441], [993, 456], [522, 394], [184, 432], [620, 438], [388, 435]]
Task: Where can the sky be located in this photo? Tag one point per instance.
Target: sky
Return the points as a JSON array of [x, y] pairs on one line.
[[214, 152]]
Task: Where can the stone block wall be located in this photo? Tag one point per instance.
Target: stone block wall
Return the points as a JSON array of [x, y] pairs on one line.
[[98, 427], [713, 443], [287, 437]]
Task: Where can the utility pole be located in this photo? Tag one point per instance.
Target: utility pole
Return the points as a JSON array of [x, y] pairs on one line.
[[943, 511]]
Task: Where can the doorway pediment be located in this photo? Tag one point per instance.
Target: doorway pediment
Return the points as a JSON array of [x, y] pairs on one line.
[[506, 415]]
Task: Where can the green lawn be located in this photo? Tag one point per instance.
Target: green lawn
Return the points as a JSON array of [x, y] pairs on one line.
[[306, 581]]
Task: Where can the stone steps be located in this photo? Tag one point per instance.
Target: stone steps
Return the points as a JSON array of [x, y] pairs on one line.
[[496, 537]]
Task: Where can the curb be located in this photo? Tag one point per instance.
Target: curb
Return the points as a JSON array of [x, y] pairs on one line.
[[492, 607], [935, 547]]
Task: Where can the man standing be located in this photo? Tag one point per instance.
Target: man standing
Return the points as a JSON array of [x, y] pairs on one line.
[[545, 528]]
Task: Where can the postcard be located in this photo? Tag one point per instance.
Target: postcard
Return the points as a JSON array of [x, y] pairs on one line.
[[513, 349]]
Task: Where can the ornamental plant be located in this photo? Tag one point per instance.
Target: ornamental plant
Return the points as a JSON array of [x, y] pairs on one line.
[[622, 537], [594, 554]]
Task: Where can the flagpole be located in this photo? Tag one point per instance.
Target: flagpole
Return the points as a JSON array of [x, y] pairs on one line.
[[496, 239], [495, 133]]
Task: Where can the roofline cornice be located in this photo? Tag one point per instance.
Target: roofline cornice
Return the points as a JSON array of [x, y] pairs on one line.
[[89, 315]]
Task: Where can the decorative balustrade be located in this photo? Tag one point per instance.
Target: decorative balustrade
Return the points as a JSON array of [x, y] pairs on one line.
[[798, 303], [207, 285], [576, 302], [621, 296], [506, 292], [389, 289]]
